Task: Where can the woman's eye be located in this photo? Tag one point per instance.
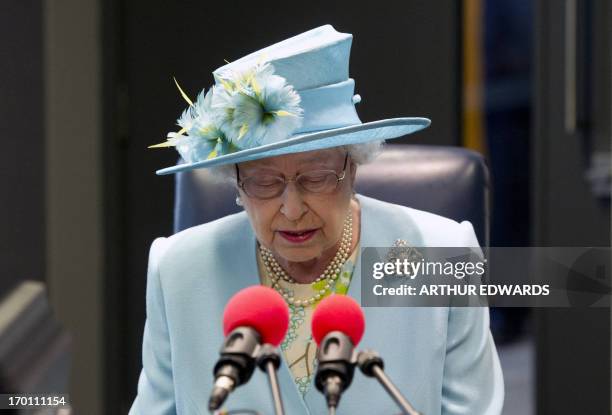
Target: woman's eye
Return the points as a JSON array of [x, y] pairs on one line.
[[315, 179], [266, 181]]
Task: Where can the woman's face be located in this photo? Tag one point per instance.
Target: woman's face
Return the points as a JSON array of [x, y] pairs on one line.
[[298, 226]]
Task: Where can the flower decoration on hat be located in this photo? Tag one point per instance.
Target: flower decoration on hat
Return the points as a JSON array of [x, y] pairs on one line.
[[242, 110]]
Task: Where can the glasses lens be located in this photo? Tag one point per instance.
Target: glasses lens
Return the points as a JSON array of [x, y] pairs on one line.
[[263, 187], [324, 181]]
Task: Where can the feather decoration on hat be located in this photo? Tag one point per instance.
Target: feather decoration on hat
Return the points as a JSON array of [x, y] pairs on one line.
[[260, 107], [244, 110], [204, 139]]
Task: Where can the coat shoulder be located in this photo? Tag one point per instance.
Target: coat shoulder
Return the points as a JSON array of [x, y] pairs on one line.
[[417, 226], [208, 240]]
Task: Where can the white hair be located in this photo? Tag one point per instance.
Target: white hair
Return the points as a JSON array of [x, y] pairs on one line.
[[360, 154]]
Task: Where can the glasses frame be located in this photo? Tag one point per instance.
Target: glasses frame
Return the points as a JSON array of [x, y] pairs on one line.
[[339, 178]]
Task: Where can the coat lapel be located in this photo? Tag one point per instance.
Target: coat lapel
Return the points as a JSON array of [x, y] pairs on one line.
[[371, 234]]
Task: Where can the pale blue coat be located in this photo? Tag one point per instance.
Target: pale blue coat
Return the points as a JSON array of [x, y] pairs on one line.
[[442, 359]]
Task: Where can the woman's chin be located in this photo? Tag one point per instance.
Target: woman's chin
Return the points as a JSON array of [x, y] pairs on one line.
[[298, 253]]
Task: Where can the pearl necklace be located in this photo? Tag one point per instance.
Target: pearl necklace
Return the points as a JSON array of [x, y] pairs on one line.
[[331, 273]]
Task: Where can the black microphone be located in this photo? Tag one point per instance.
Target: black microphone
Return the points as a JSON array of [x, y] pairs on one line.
[[235, 365], [336, 357], [337, 327], [254, 320], [372, 365]]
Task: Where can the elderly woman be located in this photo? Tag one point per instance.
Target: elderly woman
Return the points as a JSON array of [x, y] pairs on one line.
[[281, 125]]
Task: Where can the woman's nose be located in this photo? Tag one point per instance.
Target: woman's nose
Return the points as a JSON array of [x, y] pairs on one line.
[[293, 206]]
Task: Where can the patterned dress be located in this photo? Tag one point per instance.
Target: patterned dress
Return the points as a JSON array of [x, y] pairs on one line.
[[298, 348]]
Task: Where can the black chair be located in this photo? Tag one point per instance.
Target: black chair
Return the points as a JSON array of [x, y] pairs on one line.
[[449, 181]]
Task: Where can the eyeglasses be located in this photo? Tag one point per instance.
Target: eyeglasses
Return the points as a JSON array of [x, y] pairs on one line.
[[268, 186]]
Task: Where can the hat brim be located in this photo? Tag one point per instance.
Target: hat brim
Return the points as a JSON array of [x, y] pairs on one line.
[[354, 134]]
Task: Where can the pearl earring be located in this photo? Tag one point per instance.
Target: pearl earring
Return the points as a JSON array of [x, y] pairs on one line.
[[238, 201]]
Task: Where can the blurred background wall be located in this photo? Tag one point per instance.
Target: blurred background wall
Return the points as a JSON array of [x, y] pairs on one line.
[[87, 86], [22, 169]]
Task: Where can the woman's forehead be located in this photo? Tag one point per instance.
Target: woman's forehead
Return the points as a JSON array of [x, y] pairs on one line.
[[298, 159]]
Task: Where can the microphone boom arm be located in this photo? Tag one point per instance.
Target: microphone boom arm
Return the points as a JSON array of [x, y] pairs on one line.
[[372, 365], [269, 361]]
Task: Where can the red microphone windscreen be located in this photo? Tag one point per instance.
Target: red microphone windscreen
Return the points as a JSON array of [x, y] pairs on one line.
[[260, 308], [338, 313]]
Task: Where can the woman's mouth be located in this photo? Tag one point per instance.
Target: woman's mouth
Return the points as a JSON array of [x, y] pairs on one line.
[[298, 236]]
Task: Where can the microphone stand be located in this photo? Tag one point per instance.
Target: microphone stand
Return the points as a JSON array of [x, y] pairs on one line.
[[372, 365], [269, 361]]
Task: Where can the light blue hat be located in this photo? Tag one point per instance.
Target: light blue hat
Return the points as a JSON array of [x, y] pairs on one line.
[[293, 96]]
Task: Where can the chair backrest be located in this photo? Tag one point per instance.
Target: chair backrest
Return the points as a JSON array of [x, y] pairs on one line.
[[449, 181]]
